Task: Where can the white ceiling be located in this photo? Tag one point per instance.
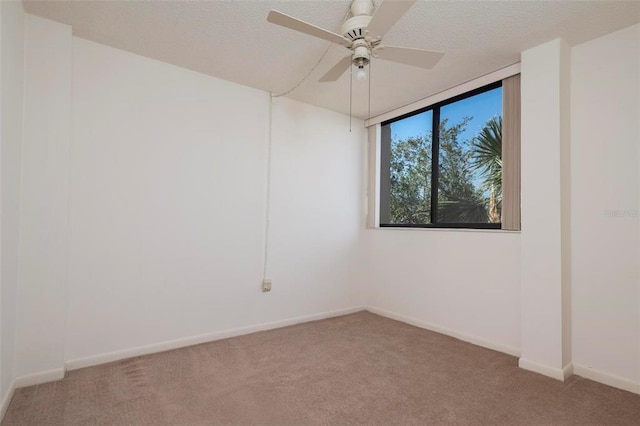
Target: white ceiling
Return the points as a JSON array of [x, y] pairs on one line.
[[232, 40]]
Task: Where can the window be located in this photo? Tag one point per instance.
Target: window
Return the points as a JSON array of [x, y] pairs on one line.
[[442, 166]]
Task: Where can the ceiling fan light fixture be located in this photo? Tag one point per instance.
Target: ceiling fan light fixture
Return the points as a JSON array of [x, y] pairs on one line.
[[361, 56], [360, 59], [361, 75]]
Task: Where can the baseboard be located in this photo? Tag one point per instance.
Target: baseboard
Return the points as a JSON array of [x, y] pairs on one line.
[[38, 378], [555, 373], [90, 361], [449, 332], [6, 399], [606, 378], [567, 371]]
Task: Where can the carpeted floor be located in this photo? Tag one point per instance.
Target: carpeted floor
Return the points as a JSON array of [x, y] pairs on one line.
[[355, 369]]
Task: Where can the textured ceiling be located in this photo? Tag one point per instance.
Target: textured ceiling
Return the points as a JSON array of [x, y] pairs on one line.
[[232, 40]]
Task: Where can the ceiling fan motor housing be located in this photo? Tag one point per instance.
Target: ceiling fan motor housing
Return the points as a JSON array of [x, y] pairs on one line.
[[355, 27]]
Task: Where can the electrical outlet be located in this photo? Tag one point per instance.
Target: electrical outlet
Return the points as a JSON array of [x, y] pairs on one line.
[[266, 285]]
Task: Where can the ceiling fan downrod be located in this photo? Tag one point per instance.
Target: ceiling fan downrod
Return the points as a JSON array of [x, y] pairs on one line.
[[355, 28]]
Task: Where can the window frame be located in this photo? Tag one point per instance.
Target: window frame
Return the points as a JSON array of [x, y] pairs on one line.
[[435, 164]]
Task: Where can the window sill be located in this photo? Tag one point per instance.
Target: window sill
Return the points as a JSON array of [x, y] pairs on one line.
[[404, 229]]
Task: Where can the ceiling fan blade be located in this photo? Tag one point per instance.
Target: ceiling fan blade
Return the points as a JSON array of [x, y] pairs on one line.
[[290, 22], [409, 56], [338, 69], [387, 15]]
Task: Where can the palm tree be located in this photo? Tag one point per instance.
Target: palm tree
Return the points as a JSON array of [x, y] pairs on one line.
[[458, 210], [486, 157]]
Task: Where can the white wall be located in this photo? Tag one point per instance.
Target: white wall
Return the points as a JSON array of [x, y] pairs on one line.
[[44, 203], [605, 118], [464, 283], [316, 210], [545, 119], [11, 84], [168, 186]]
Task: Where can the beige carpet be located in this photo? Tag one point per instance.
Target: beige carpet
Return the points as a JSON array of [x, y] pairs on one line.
[[356, 369]]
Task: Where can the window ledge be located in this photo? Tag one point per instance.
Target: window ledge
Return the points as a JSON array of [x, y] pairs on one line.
[[490, 231]]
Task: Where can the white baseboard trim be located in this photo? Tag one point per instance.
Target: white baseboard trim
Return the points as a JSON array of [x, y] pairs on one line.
[[39, 377], [6, 399], [606, 378], [104, 358], [555, 373], [567, 371], [449, 332]]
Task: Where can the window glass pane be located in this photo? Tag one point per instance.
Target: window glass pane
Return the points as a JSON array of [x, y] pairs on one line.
[[409, 170], [470, 160]]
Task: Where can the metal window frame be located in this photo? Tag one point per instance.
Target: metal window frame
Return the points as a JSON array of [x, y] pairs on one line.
[[435, 162]]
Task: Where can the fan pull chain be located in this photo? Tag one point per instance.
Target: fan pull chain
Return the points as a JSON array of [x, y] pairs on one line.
[[350, 93], [369, 113]]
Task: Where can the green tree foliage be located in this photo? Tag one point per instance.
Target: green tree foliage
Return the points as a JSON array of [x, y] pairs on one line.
[[487, 155], [486, 151], [459, 200], [410, 201]]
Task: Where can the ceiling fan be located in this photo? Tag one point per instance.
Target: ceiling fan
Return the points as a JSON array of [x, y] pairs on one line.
[[362, 34]]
